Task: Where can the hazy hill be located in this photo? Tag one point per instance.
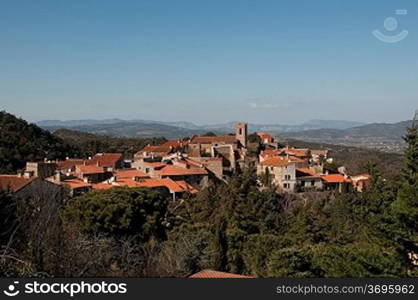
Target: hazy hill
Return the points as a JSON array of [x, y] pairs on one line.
[[392, 130], [134, 130], [382, 136], [180, 129]]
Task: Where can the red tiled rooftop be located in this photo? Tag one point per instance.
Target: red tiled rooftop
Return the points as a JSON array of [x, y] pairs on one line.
[[307, 171], [171, 170], [75, 183], [14, 182], [297, 152], [173, 144], [69, 163], [151, 183], [89, 169], [270, 152], [155, 149], [156, 165], [165, 182], [277, 161], [216, 274], [186, 187], [105, 159], [264, 135], [334, 178], [102, 186], [130, 173]]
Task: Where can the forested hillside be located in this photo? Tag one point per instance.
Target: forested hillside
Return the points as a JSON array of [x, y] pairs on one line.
[[89, 144], [21, 142]]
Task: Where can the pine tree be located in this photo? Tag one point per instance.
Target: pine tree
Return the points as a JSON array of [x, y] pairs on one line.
[[406, 205], [220, 245]]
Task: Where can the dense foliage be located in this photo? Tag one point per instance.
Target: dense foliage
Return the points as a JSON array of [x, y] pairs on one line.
[[7, 216], [89, 144], [119, 212], [21, 142]]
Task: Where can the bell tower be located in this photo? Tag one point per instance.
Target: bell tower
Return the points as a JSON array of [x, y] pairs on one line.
[[241, 133]]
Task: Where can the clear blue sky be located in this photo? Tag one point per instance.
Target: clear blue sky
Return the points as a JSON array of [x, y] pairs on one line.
[[207, 61]]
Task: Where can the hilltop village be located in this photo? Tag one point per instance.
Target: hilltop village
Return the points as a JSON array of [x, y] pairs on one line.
[[235, 205], [187, 166]]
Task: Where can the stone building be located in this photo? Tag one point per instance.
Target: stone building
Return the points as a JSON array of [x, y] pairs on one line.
[[241, 133], [282, 172], [41, 169]]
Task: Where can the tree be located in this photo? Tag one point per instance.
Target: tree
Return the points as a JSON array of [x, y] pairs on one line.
[[120, 212], [406, 204], [220, 245], [8, 217], [209, 133], [254, 138]]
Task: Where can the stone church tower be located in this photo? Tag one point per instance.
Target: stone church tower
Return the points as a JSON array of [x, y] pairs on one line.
[[241, 133]]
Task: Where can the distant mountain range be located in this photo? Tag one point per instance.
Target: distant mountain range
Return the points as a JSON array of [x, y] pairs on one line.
[[131, 130], [390, 130], [382, 136], [149, 128]]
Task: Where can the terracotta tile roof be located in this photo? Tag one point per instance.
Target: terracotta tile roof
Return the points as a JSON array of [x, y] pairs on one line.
[[296, 159], [187, 187], [171, 170], [228, 139], [156, 165], [102, 186], [152, 183], [105, 159], [306, 171], [89, 169], [130, 173], [334, 178], [264, 136], [14, 182], [164, 182], [297, 152], [174, 144], [161, 149], [277, 161], [192, 162], [69, 163], [75, 183], [269, 153], [216, 274], [171, 185]]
